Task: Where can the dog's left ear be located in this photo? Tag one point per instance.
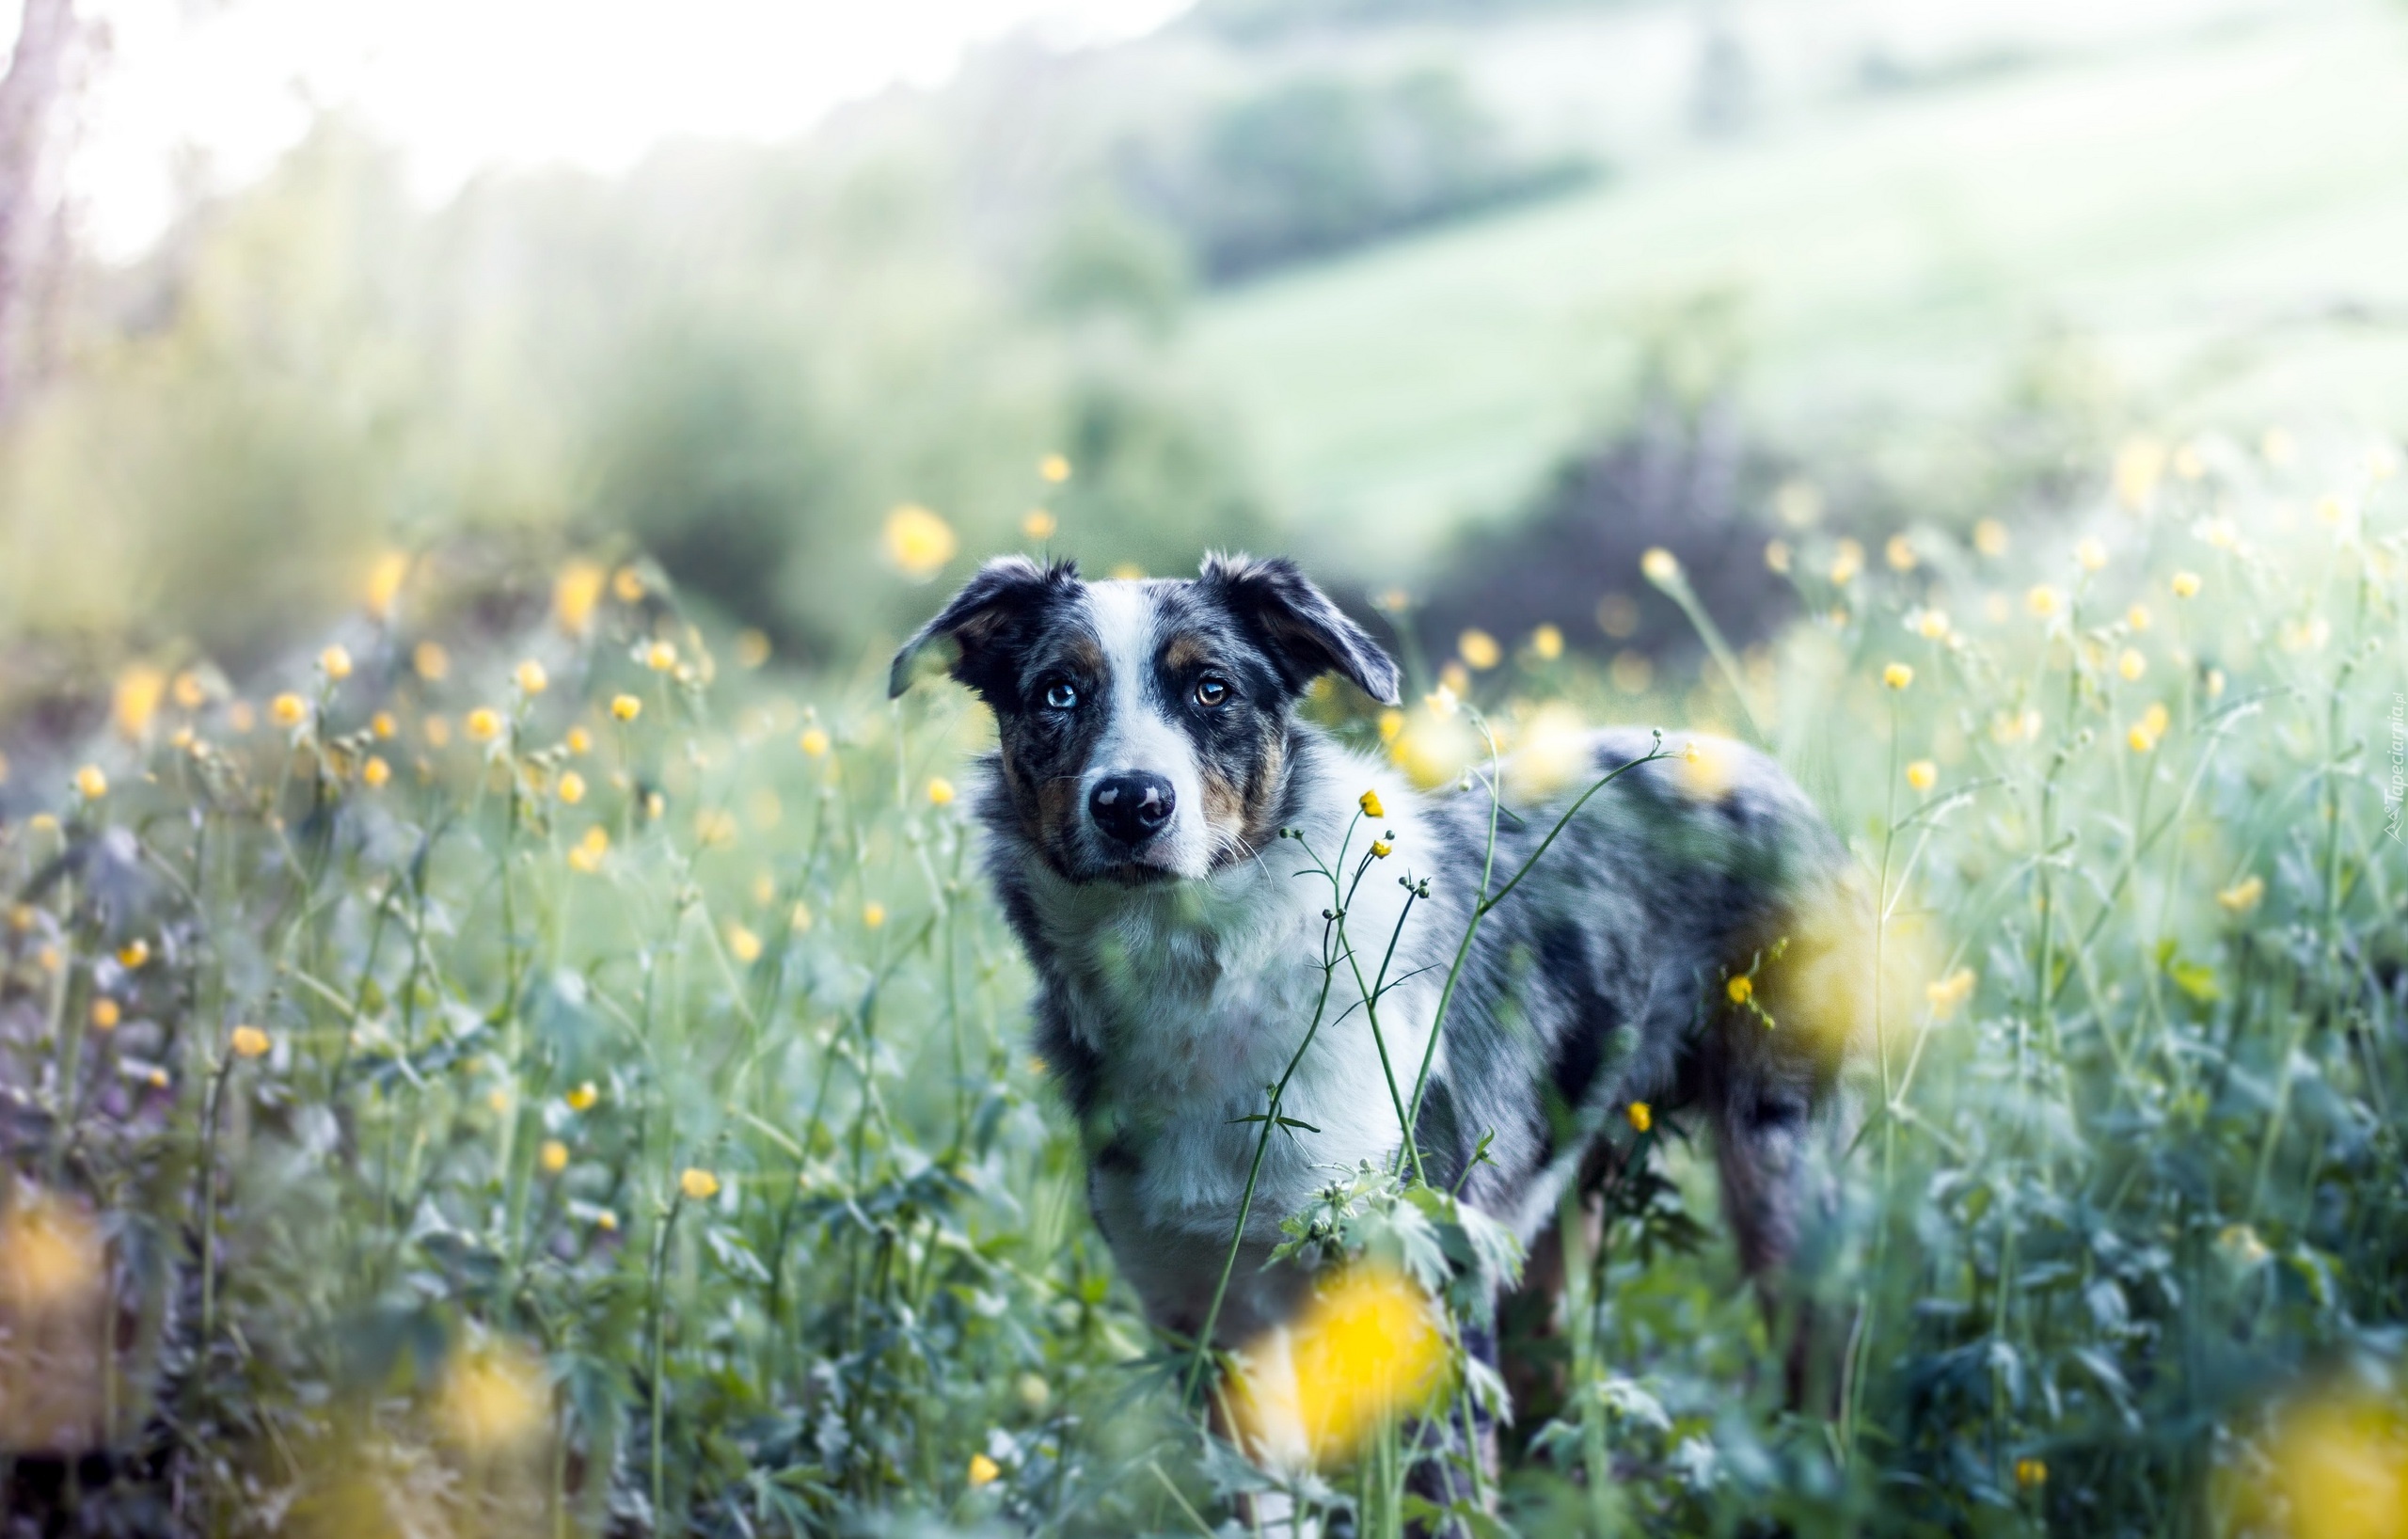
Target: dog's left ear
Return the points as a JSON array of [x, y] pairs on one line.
[[1303, 633]]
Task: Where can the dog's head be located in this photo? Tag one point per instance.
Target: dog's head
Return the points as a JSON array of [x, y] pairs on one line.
[[1145, 723]]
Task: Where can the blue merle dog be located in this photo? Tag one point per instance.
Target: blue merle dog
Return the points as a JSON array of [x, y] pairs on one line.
[[1149, 752]]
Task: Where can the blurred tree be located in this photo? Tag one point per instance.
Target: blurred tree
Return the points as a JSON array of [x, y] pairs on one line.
[[39, 74]]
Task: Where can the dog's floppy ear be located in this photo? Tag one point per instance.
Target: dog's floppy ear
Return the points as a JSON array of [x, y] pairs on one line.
[[1302, 632], [973, 632]]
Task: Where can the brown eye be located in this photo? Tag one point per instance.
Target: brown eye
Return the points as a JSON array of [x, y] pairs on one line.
[[1211, 690]]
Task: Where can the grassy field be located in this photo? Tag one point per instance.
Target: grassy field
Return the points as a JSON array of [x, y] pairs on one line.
[[2193, 206], [578, 1087]]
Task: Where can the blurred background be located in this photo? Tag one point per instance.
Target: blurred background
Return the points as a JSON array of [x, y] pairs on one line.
[[1471, 300]]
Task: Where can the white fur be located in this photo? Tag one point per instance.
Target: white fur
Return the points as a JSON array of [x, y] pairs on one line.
[[1139, 738]]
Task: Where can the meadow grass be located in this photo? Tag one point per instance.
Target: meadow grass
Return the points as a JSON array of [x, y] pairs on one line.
[[571, 1085]]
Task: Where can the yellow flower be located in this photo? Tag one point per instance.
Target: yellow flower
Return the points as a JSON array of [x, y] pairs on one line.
[[2140, 739], [2243, 895], [626, 583], [660, 657], [241, 717], [2336, 1461], [2138, 617], [532, 678], [2215, 682], [1899, 553], [1547, 642], [2185, 584], [575, 593], [553, 1156], [1055, 468], [1659, 566], [1947, 995], [1848, 560], [105, 1014], [578, 740], [801, 919], [133, 954], [751, 647], [1776, 556], [939, 791], [438, 730], [582, 1098], [1642, 1116], [2031, 1474], [431, 661], [2139, 466], [918, 542], [1931, 624], [90, 784], [2131, 664], [1989, 537], [2241, 1242], [813, 742], [135, 698], [499, 1097], [626, 707], [699, 1184], [335, 661], [1478, 649], [571, 790], [494, 1399], [249, 1042], [1391, 725], [2044, 600], [2092, 553], [1922, 775], [744, 945], [873, 914], [1365, 1350], [1741, 989], [1898, 675], [607, 1221], [288, 710], [2156, 719], [1039, 525], [984, 1470], [383, 725], [1370, 803], [188, 690], [375, 773], [483, 724], [52, 1258], [386, 576], [2220, 532], [1382, 849]]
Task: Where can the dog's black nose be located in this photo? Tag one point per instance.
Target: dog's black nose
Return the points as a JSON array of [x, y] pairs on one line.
[[1132, 808]]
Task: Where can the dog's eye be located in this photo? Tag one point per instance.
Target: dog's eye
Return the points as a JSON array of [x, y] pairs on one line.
[[1061, 695], [1211, 690]]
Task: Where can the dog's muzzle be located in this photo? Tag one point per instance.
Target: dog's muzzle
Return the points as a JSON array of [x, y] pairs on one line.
[[1131, 809]]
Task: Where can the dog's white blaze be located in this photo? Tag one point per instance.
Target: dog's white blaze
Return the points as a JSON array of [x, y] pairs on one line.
[[1138, 737]]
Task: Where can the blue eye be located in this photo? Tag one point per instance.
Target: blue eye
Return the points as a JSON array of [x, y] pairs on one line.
[[1060, 695]]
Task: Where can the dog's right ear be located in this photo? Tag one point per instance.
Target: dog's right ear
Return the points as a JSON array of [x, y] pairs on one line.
[[973, 634]]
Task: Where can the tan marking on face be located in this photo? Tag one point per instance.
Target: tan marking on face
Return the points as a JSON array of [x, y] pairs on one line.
[[1185, 651], [1249, 811], [1058, 813]]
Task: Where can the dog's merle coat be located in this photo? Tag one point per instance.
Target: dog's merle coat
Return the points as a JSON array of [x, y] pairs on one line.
[[1148, 756]]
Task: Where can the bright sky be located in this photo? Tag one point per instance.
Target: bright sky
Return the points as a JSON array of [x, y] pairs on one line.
[[464, 84]]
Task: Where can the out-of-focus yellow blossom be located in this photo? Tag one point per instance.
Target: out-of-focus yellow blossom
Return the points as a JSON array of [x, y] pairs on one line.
[[751, 647], [1776, 556], [1055, 468], [813, 742], [2243, 895], [607, 1221], [383, 727], [431, 662], [2332, 511], [2091, 554], [700, 1185], [1640, 1115], [2140, 739], [2131, 664], [2138, 617], [241, 717], [1391, 725], [2220, 532], [1659, 566], [2215, 682], [2339, 1463], [335, 661], [499, 1099], [375, 773], [575, 593], [627, 585], [1898, 675], [438, 730], [801, 919], [873, 914], [1546, 643], [1989, 537], [1706, 768], [626, 707], [984, 1470], [2044, 600], [494, 1400], [288, 710], [1365, 1349], [2031, 1474], [2308, 635], [386, 575], [483, 724], [2185, 584], [553, 1156], [660, 657], [134, 699], [1847, 561], [1922, 775], [188, 691], [1478, 649], [249, 1042], [1740, 989], [715, 828], [585, 856], [1553, 753], [90, 783], [918, 542], [582, 1098], [1947, 995], [2240, 1244], [1899, 553], [2139, 466], [571, 788], [939, 791], [51, 1257], [2156, 719], [1931, 624], [656, 804], [1798, 503], [134, 955], [532, 678], [106, 1013], [744, 945], [1039, 524]]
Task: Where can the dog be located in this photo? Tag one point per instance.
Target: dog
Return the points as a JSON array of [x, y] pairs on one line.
[[1150, 755]]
